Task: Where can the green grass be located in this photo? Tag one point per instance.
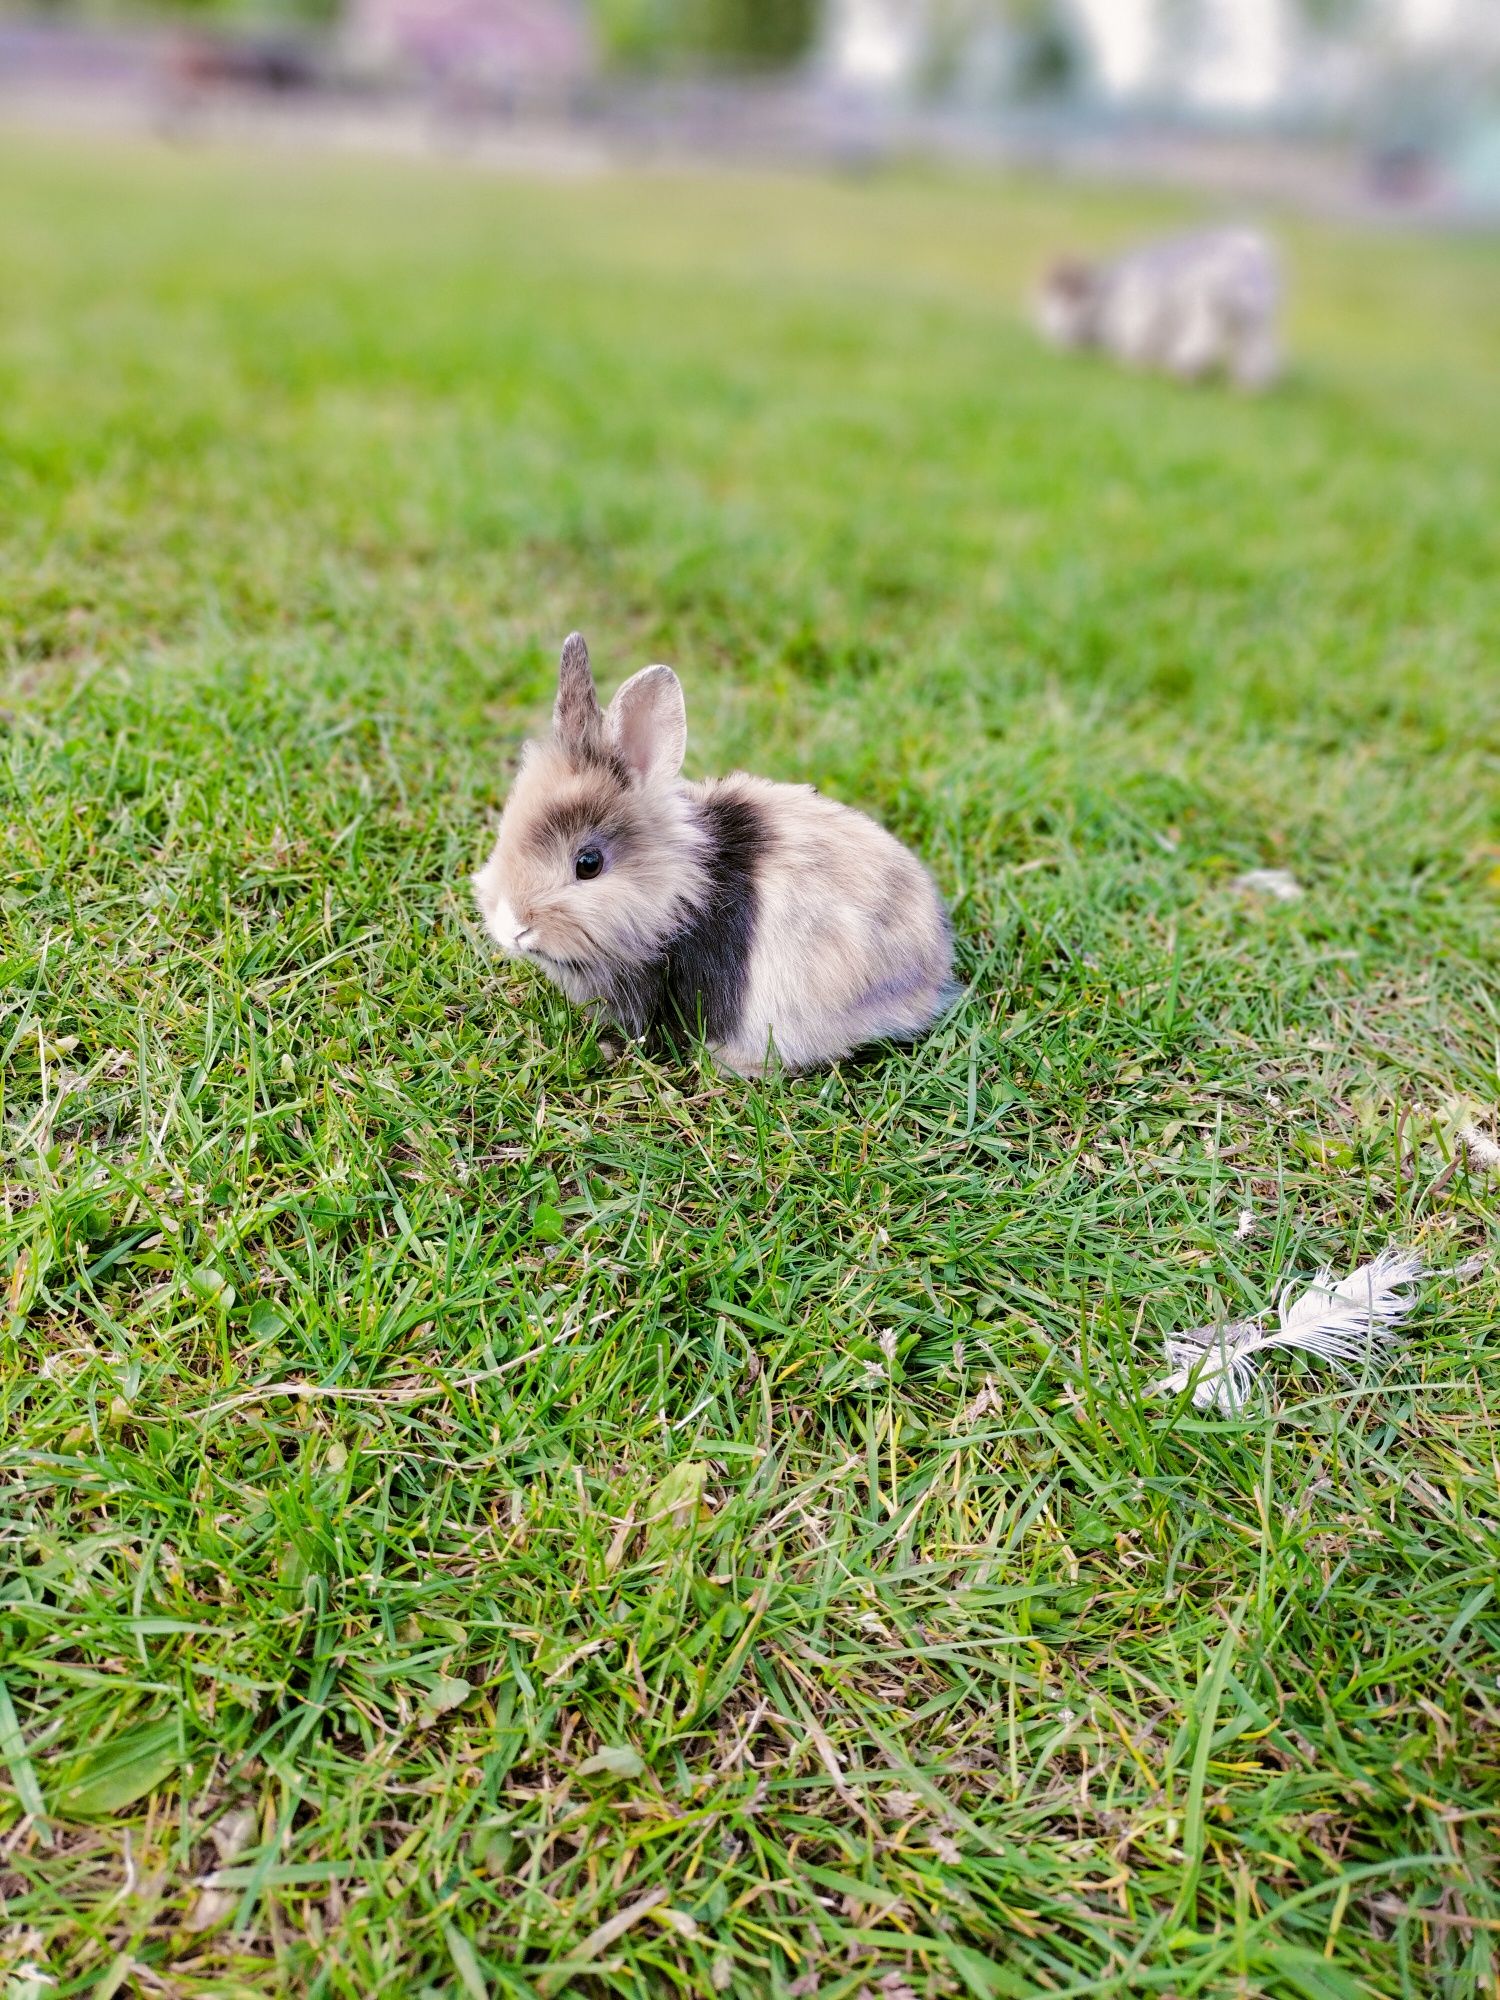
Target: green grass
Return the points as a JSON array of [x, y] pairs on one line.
[[359, 1306]]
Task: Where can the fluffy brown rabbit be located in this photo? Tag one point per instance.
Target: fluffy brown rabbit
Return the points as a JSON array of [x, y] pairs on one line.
[[787, 928]]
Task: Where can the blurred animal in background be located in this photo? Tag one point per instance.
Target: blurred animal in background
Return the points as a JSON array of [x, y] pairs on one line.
[[1190, 306]]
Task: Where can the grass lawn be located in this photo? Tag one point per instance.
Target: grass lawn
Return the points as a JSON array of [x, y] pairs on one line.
[[538, 1522]]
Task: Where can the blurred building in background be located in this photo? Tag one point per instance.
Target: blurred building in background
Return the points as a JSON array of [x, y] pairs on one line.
[[1202, 91], [1267, 60], [1414, 83]]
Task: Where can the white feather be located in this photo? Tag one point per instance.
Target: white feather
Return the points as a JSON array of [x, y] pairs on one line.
[[1484, 1154], [1345, 1323]]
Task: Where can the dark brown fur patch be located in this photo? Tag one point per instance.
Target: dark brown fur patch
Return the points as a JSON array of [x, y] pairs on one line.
[[699, 983], [597, 813], [708, 961]]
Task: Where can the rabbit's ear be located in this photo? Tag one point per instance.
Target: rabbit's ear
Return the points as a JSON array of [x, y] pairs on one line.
[[647, 724], [577, 719]]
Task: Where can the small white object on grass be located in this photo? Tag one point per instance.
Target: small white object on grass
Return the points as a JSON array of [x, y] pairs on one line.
[[1277, 883], [1345, 1323], [1484, 1154]]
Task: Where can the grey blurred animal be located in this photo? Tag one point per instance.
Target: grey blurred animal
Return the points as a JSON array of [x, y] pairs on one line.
[[1186, 305]]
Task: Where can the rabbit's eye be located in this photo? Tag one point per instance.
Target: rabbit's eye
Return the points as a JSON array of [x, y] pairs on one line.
[[588, 864]]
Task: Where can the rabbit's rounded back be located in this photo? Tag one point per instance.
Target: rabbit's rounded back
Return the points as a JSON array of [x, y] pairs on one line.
[[851, 941]]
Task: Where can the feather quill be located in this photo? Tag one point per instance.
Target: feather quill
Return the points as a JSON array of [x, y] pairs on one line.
[[1345, 1322]]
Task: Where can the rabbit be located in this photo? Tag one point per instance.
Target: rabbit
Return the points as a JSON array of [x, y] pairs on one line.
[[790, 930], [1184, 304]]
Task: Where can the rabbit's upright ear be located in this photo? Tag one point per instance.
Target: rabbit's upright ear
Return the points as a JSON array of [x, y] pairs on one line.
[[577, 719], [647, 724]]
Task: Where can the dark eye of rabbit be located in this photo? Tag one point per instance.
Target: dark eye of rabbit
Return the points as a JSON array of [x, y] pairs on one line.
[[587, 864]]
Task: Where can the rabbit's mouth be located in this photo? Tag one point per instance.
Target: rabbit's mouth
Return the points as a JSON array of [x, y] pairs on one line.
[[527, 947], [524, 942]]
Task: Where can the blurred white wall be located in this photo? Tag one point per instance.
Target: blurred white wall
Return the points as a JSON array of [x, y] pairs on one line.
[[1122, 41], [874, 45], [1236, 57]]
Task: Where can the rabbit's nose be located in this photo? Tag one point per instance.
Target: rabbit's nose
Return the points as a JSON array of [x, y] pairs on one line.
[[505, 926]]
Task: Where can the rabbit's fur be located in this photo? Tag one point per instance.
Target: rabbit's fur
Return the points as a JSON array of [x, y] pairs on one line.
[[790, 929], [1188, 305]]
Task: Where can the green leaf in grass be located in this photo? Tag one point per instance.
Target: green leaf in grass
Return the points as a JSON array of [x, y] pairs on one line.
[[465, 1964], [674, 1506], [617, 1760], [119, 1771], [447, 1692]]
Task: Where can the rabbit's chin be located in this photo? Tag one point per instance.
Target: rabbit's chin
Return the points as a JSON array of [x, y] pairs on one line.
[[584, 985], [556, 968]]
